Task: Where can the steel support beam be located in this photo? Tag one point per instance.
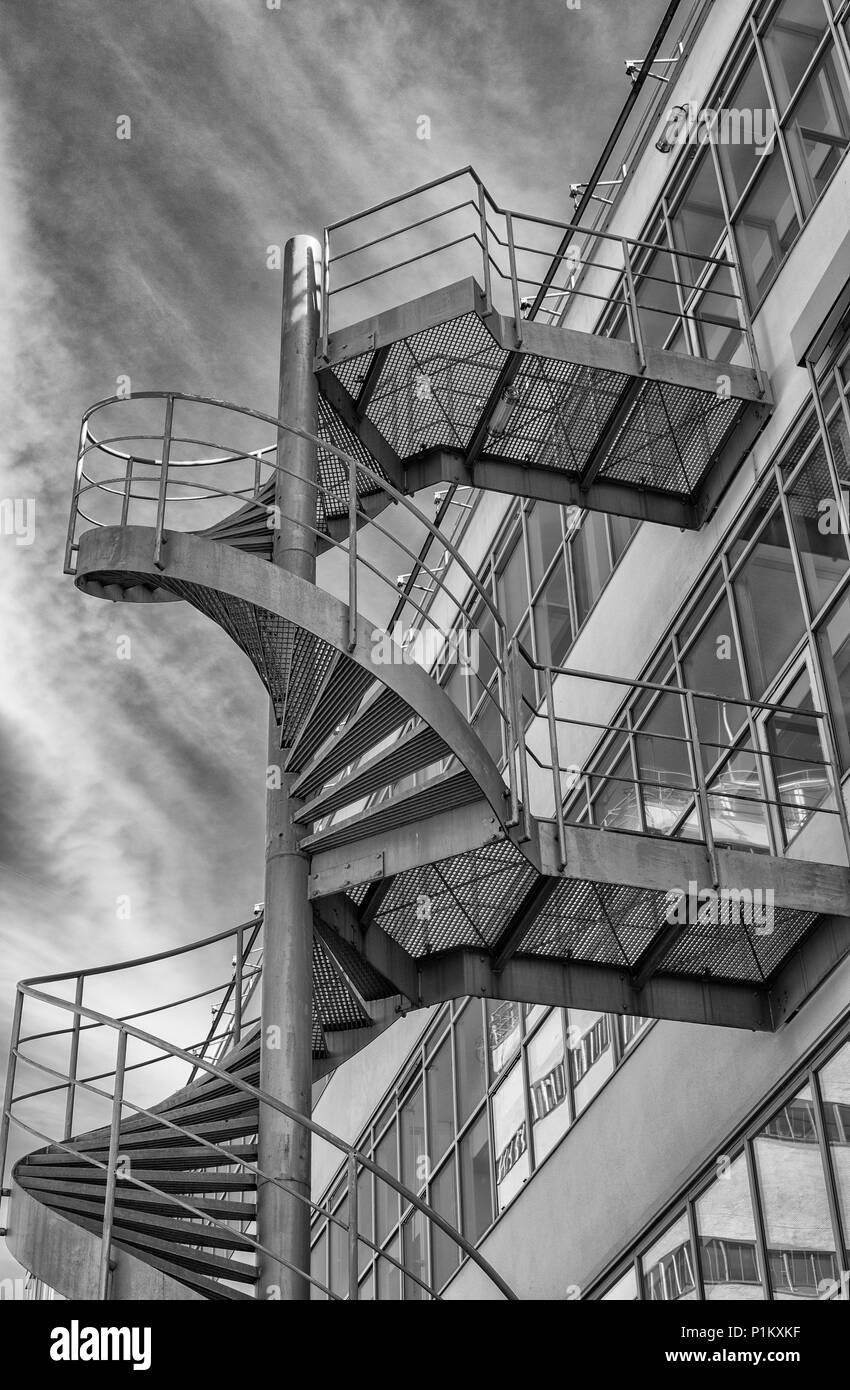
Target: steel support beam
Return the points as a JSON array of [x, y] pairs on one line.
[[286, 1059]]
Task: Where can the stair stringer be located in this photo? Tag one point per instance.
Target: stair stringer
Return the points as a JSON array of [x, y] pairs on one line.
[[199, 570]]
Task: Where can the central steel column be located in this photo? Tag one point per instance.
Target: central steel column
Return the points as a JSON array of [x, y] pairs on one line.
[[286, 1062]]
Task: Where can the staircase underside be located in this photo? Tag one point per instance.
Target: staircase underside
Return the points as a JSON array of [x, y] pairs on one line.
[[430, 894], [593, 425]]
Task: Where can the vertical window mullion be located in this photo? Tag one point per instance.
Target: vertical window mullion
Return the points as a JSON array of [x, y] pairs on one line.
[[758, 1217]]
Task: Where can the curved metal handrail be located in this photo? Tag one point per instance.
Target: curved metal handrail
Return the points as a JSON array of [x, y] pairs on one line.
[[124, 1031]]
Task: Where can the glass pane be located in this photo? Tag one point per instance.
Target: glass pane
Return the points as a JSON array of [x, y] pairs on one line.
[[658, 301], [552, 622], [741, 148], [510, 1136], [319, 1265], [716, 314], [834, 642], [668, 1266], [512, 588], [550, 1111], [591, 564], [789, 45], [629, 1028], [476, 1196], [445, 1253], [625, 1289], [800, 778], [698, 224], [615, 806], [713, 664], [622, 530], [664, 766], [818, 130], [768, 602], [441, 1123], [591, 1054], [765, 228], [834, 1081], [367, 1288], [386, 1198], [736, 802], [469, 1055], [415, 1255], [798, 1230], [503, 1027], [414, 1161], [339, 1251], [389, 1278], [364, 1215], [727, 1237], [818, 521], [544, 537], [484, 625]]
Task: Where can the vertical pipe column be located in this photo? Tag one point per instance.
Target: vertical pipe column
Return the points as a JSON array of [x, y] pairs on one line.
[[286, 1061]]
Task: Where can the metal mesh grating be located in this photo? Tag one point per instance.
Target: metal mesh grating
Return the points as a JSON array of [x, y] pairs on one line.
[[335, 1005]]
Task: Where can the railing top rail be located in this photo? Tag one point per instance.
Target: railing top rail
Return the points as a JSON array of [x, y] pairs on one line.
[[569, 228], [142, 960], [307, 1122], [635, 683]]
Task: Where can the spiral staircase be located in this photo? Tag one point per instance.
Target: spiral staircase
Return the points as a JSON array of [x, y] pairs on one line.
[[441, 862]]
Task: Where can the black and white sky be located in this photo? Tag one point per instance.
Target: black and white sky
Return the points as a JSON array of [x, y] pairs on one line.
[[147, 257]]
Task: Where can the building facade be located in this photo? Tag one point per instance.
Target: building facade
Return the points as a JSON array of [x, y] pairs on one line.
[[602, 1156]]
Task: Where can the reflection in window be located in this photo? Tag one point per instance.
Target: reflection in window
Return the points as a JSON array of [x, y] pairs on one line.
[[668, 1266], [663, 764], [591, 1054], [470, 1058], [503, 1027], [550, 1111], [727, 1237], [798, 1230], [834, 1081], [510, 1136], [591, 562]]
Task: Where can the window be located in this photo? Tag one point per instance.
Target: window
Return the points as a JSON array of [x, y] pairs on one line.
[[552, 621], [668, 1266], [698, 223], [440, 1085], [476, 1194], [510, 1137], [797, 1223], [768, 603], [591, 1055], [765, 227], [544, 531], [445, 1253], [834, 1083], [818, 130], [797, 761], [470, 1058], [411, 1116], [386, 1197], [503, 1025], [834, 647], [790, 43], [591, 562], [547, 1080], [727, 1236], [747, 110], [822, 545]]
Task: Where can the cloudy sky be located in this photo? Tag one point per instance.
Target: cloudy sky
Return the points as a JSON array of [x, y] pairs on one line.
[[143, 778]]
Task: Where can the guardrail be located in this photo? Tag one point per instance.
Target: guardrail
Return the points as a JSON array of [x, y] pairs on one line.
[[451, 228], [142, 476], [118, 1096], [695, 790]]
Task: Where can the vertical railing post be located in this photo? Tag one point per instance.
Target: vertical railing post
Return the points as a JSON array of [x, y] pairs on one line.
[[326, 291], [258, 458], [353, 1256], [485, 248], [163, 484], [75, 495], [72, 1060], [556, 770], [637, 331], [128, 486], [9, 1091], [112, 1165], [509, 223], [701, 789], [237, 989], [352, 555], [508, 697]]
